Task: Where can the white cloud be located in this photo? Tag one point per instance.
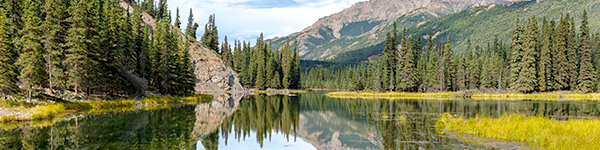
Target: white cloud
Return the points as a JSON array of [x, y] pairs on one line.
[[243, 22]]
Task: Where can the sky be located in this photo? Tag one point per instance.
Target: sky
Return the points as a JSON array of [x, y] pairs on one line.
[[246, 19]]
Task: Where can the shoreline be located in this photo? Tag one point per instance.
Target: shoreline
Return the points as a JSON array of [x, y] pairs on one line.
[[22, 113], [549, 96]]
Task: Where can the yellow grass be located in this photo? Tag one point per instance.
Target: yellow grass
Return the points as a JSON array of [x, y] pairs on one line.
[[540, 132], [47, 111], [552, 96]]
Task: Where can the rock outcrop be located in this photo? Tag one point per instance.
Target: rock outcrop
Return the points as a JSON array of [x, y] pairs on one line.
[[212, 75]]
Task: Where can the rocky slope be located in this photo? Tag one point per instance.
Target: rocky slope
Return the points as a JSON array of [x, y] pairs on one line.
[[212, 75], [358, 26]]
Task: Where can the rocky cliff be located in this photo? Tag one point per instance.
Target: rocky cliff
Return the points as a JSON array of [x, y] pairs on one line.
[[357, 27], [212, 75]]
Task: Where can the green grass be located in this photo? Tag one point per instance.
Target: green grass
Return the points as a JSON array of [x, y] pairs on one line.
[[48, 111], [540, 132], [392, 95], [551, 96]]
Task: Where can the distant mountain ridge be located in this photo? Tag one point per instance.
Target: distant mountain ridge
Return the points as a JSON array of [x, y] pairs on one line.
[[360, 26]]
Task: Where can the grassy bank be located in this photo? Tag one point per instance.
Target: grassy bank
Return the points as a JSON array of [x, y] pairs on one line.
[[393, 95], [277, 91], [539, 132], [27, 112], [552, 96]]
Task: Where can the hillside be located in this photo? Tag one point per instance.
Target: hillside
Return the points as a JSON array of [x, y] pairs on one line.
[[212, 75], [359, 26]]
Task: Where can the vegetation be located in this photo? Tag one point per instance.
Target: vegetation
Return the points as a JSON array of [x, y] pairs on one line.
[[553, 59], [539, 132], [76, 44], [47, 111]]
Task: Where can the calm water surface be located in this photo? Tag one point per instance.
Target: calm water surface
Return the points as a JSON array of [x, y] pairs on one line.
[[309, 121]]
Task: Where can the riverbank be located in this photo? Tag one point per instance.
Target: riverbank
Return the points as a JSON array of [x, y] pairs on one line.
[[287, 92], [551, 96], [539, 132], [15, 112]]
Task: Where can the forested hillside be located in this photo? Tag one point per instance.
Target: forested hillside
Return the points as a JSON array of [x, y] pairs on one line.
[[544, 55], [91, 46]]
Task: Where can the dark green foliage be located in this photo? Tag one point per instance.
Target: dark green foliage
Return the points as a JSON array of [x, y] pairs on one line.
[[516, 54], [189, 29], [210, 38], [572, 54], [545, 63], [8, 74], [449, 68], [527, 80], [587, 74], [30, 60], [53, 39], [560, 62], [177, 21]]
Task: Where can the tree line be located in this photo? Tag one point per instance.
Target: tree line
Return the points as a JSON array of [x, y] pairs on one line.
[[93, 46], [262, 66], [553, 57]]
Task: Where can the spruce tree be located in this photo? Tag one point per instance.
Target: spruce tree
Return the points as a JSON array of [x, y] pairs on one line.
[[53, 40], [31, 56], [561, 64], [77, 58], [572, 54], [260, 60], [545, 58], [461, 73], [449, 67], [8, 74], [286, 65], [586, 69], [527, 80], [296, 68], [408, 72], [516, 55], [189, 29], [177, 21]]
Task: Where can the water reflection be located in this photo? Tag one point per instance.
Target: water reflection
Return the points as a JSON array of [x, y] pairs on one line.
[[309, 121]]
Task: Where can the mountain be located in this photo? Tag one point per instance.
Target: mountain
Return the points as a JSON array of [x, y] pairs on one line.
[[362, 25]]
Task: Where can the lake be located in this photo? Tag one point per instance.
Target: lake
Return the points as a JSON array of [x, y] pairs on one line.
[[308, 121]]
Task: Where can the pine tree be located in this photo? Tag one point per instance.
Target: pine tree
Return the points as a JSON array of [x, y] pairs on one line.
[[389, 51], [408, 72], [30, 59], [449, 67], [586, 69], [286, 65], [77, 57], [516, 55], [149, 7], [432, 66], [461, 73], [474, 66], [572, 54], [8, 74], [238, 57], [210, 38], [561, 64], [296, 68], [527, 80], [53, 41], [259, 56], [272, 71], [177, 21], [189, 29], [545, 63]]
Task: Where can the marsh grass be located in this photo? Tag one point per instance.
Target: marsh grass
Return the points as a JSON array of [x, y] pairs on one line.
[[393, 95], [551, 96], [540, 132], [48, 111]]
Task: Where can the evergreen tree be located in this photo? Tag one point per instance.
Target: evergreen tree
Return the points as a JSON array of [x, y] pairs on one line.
[[53, 40], [516, 55], [8, 74], [408, 72], [286, 65], [527, 80], [259, 56], [545, 63], [210, 38], [449, 67], [189, 29], [561, 64], [238, 57], [77, 57], [572, 54], [474, 66], [30, 59], [177, 21], [296, 68], [586, 69]]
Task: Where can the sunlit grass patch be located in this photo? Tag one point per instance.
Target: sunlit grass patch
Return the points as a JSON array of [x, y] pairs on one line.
[[392, 95], [46, 111], [539, 132]]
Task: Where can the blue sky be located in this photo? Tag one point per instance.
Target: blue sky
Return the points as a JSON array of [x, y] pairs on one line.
[[246, 19]]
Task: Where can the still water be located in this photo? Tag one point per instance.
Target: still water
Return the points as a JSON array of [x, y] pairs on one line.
[[308, 121]]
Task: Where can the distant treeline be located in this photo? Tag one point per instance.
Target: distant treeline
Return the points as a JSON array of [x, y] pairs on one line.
[[551, 58]]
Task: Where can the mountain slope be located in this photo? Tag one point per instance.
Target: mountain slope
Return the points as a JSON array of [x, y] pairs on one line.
[[212, 75], [361, 25]]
